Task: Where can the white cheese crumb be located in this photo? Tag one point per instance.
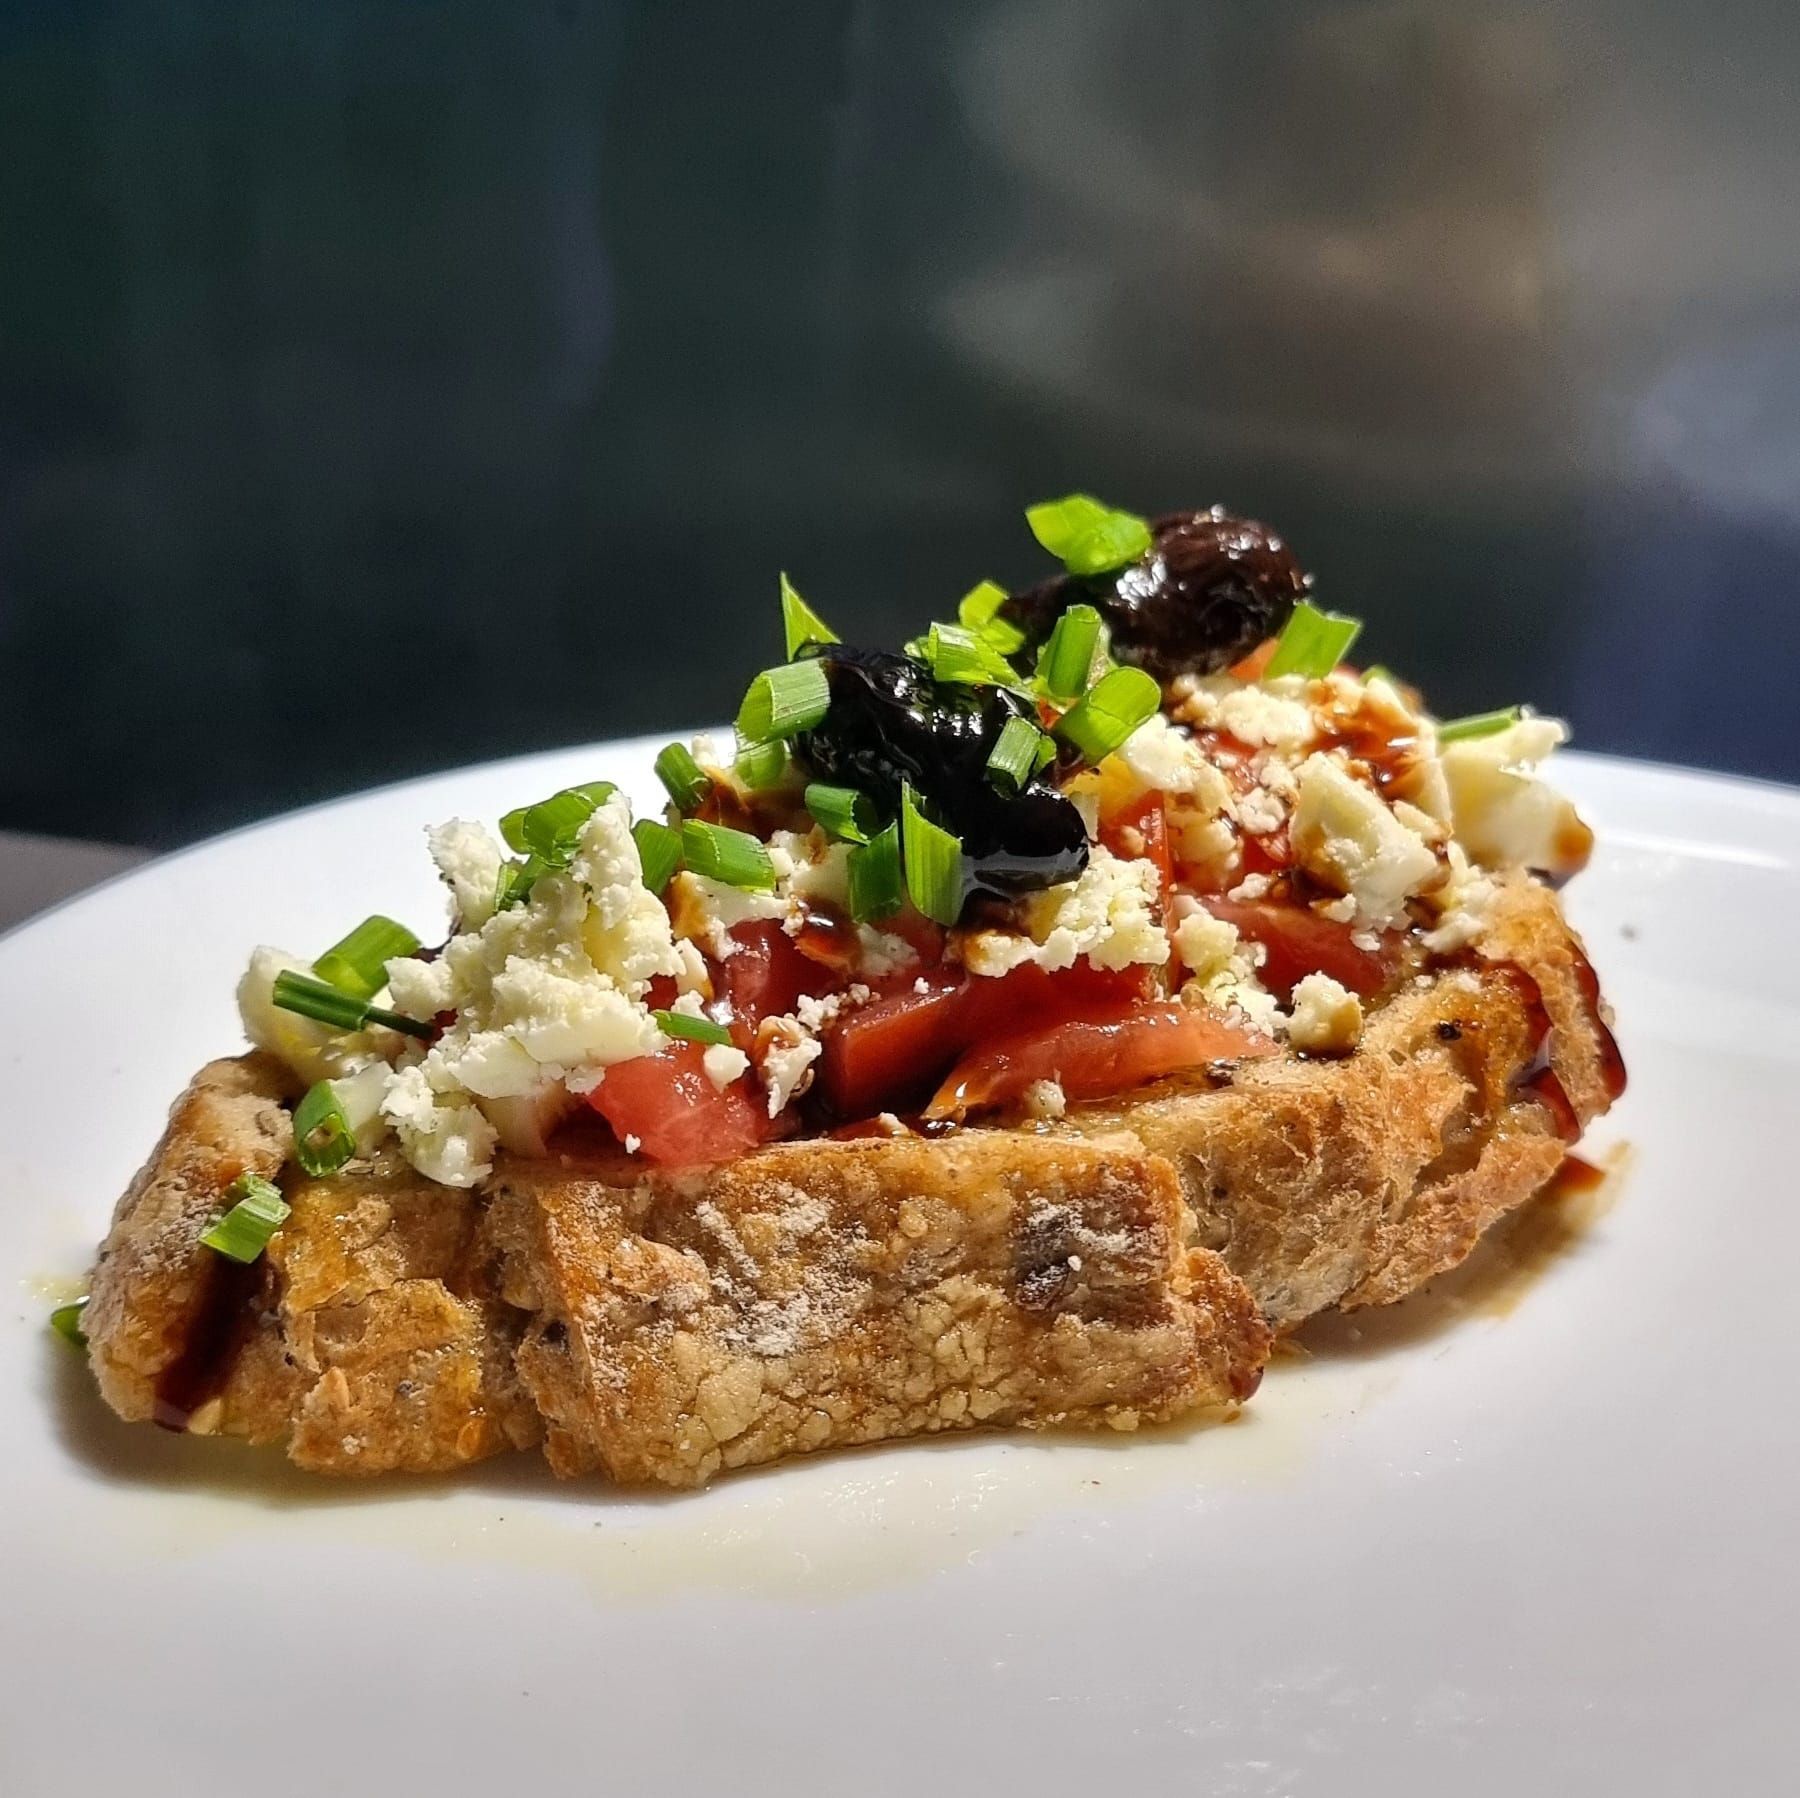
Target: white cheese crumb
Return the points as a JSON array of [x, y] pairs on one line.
[[633, 1144], [724, 1064], [445, 1137], [1045, 1099], [1327, 1018], [1256, 886], [786, 1050], [1504, 814], [1161, 757], [1344, 834], [1339, 911], [1205, 943], [1260, 812], [1111, 914], [469, 860]]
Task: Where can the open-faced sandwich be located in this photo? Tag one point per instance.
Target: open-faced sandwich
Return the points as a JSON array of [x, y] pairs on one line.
[[1020, 1029]]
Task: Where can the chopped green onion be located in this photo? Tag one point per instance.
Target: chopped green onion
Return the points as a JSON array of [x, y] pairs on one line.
[[65, 1320], [331, 1005], [800, 622], [691, 1029], [1115, 705], [359, 963], [659, 849], [257, 1213], [1312, 643], [784, 701], [1067, 659], [1087, 537], [515, 881], [551, 829], [1480, 724], [933, 858], [1018, 752], [841, 812], [876, 888], [323, 1138], [687, 783], [954, 653], [1380, 671], [979, 610], [761, 765], [732, 856]]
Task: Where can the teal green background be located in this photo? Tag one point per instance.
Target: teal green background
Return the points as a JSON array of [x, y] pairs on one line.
[[389, 385]]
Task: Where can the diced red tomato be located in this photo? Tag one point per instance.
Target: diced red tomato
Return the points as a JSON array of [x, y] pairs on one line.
[[1100, 1050], [768, 975], [1252, 666], [676, 1113], [1299, 942], [1142, 830], [882, 1055]]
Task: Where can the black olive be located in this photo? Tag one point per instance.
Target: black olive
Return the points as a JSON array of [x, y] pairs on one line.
[[890, 721], [1210, 589]]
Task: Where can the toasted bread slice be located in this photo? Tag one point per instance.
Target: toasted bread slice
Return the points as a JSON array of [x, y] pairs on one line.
[[825, 1293], [1352, 1182], [661, 1326], [665, 1326]]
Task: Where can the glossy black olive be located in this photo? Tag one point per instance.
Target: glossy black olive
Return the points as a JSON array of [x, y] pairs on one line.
[[1211, 588], [890, 721]]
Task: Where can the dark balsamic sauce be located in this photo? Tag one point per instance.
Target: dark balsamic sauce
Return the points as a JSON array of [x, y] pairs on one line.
[[216, 1336]]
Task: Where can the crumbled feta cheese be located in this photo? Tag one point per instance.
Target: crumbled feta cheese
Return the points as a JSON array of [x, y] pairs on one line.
[[1463, 902], [1110, 914], [1344, 835], [313, 1051], [1256, 886], [1205, 943], [785, 1052], [633, 1144], [1045, 1099], [445, 1137], [1205, 844], [469, 860], [1327, 1018], [1339, 911], [881, 953], [814, 1014], [689, 1005], [1260, 812], [1276, 713], [1505, 816], [705, 911], [1160, 757], [724, 1064]]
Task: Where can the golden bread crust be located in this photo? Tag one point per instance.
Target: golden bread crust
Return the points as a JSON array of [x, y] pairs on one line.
[[821, 1294], [1351, 1182]]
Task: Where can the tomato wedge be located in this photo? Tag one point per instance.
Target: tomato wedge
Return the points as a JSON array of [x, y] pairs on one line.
[[1105, 1049], [768, 974], [1299, 942], [1148, 819], [882, 1056], [667, 1102]]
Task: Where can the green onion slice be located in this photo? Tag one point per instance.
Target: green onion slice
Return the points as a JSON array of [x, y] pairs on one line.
[[323, 1138], [1380, 671], [761, 765], [955, 653], [841, 812], [784, 701], [551, 829], [1312, 643], [933, 860], [331, 1005], [689, 1028], [1018, 752], [257, 1212], [979, 610], [686, 782], [659, 849], [801, 624], [358, 964], [1113, 708], [1067, 658], [65, 1320], [1479, 724], [1087, 537], [876, 888], [515, 882], [732, 856]]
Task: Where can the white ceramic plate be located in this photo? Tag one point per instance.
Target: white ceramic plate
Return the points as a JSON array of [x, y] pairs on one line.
[[1532, 1531]]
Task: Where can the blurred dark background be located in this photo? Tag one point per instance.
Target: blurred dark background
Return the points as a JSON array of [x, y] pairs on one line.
[[387, 384]]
